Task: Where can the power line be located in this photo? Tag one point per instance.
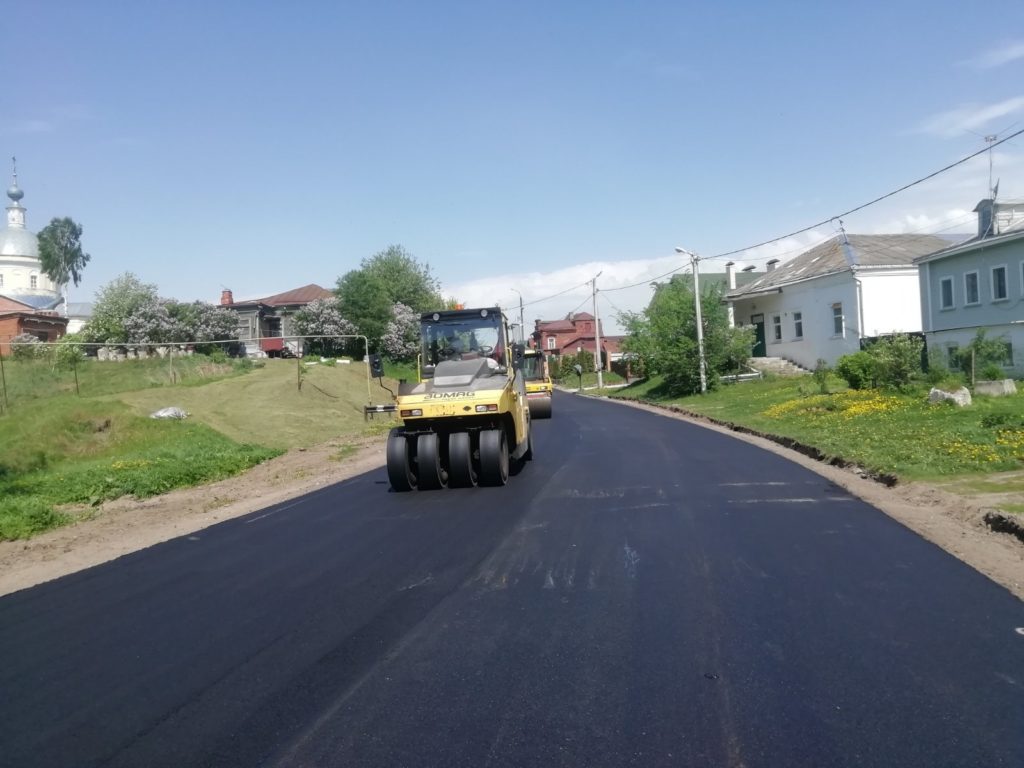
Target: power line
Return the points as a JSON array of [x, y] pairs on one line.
[[830, 219], [556, 295]]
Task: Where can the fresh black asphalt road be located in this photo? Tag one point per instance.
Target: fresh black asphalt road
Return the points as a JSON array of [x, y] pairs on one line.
[[645, 593]]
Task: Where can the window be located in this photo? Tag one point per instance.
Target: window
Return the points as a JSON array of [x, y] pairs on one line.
[[1007, 360], [551, 342], [999, 283], [947, 292], [837, 319], [971, 289], [1, 281], [798, 325], [953, 357], [33, 282], [777, 327]]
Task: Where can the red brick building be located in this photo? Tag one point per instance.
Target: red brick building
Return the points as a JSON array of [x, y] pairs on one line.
[[17, 318], [574, 333]]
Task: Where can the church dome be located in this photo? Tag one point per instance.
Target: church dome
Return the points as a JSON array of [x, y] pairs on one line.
[[15, 239], [18, 242]]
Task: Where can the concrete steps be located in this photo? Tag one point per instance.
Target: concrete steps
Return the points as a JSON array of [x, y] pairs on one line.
[[776, 366]]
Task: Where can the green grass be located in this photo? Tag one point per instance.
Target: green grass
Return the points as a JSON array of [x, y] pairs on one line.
[[33, 380], [77, 451], [590, 379], [899, 434], [61, 452], [267, 407]]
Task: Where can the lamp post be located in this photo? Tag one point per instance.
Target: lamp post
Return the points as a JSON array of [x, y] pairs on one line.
[[598, 362], [522, 328], [694, 259]]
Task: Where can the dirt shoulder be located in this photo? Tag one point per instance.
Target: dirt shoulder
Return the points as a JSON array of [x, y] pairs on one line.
[[127, 525]]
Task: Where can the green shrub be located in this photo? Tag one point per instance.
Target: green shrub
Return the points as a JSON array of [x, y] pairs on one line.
[[858, 369], [992, 372], [821, 372], [897, 359]]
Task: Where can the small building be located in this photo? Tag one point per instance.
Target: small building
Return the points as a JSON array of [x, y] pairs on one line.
[[574, 334], [264, 324], [821, 304], [17, 319], [977, 285]]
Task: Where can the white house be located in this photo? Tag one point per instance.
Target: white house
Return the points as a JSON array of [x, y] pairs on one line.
[[822, 303], [978, 285]]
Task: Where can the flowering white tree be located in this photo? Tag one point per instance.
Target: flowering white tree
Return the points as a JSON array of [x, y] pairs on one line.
[[322, 317], [151, 322], [401, 339]]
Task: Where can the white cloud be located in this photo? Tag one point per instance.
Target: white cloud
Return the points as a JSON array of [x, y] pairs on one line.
[[997, 57], [970, 117]]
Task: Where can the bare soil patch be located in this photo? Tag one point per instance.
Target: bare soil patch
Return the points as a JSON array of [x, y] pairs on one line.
[[116, 528]]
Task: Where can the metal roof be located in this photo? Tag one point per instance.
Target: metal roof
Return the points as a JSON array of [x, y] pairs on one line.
[[842, 254]]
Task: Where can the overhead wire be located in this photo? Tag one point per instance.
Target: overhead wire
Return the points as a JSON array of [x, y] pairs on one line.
[[556, 295], [831, 219]]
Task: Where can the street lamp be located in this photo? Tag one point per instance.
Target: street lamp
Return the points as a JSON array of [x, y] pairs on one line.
[[522, 327], [694, 259]]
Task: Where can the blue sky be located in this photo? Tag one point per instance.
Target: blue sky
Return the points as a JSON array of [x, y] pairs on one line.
[[262, 146]]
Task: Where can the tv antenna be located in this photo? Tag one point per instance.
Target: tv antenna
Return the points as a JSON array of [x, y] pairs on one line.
[[990, 139]]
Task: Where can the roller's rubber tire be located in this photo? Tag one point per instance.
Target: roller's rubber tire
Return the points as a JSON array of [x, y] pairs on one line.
[[461, 472], [540, 408], [494, 459], [399, 460], [432, 476]]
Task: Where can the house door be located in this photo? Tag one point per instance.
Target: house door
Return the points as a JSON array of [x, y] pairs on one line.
[[759, 348]]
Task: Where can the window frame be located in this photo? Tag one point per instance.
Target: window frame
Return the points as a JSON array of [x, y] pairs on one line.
[[33, 282], [977, 289], [838, 328], [952, 357], [942, 295], [798, 325], [551, 342], [1006, 283], [776, 329]]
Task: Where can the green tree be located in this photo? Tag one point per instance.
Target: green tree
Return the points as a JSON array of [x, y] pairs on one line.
[[121, 299], [392, 276], [663, 338], [60, 251]]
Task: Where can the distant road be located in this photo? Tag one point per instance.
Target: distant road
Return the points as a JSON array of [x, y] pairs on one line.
[[645, 593]]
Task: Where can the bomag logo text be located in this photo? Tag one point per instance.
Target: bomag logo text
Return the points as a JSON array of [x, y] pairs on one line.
[[449, 395]]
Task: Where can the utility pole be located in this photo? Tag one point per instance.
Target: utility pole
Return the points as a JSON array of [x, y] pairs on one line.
[[522, 327], [700, 323], [598, 366]]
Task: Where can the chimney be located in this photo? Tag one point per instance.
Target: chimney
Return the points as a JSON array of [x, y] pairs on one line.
[[771, 265], [730, 274], [226, 297]]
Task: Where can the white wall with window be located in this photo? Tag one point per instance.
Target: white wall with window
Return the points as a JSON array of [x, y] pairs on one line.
[[838, 327], [806, 309]]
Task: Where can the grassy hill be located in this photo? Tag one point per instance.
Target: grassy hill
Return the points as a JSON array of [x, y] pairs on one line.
[[60, 451]]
